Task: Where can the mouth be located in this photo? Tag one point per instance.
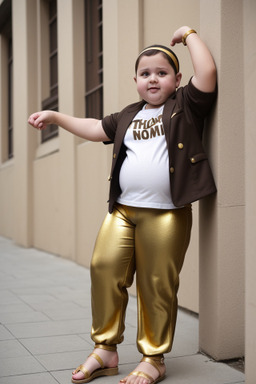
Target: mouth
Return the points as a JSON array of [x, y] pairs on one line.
[[153, 89]]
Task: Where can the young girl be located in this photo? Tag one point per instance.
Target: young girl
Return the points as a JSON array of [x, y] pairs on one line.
[[159, 168]]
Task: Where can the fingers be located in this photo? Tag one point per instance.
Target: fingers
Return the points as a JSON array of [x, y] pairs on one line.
[[41, 126], [178, 34], [33, 120], [175, 40], [172, 43], [36, 120]]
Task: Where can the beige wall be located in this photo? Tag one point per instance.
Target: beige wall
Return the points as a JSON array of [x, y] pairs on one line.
[[53, 199], [222, 217], [6, 199], [24, 77], [250, 182]]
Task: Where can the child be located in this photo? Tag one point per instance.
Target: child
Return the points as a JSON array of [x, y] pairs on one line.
[[159, 168]]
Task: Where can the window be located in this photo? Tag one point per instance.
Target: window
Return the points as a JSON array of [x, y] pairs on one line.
[[93, 59], [52, 101], [10, 98], [7, 77]]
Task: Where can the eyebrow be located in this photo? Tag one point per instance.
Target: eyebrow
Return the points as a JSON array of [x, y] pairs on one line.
[[149, 69]]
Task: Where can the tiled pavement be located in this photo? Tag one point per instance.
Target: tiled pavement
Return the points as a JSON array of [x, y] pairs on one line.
[[45, 321]]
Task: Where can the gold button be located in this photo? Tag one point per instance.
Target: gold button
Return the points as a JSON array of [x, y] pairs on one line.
[[180, 146], [109, 178], [114, 156], [193, 160], [172, 170]]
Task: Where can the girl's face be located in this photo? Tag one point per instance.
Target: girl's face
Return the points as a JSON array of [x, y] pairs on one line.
[[156, 79]]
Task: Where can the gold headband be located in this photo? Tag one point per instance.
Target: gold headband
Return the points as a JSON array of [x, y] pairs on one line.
[[170, 54]]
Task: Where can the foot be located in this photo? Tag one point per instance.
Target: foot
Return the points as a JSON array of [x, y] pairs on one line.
[[109, 358], [156, 374]]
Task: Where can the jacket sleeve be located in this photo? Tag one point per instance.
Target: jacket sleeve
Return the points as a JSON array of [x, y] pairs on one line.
[[199, 102], [109, 124]]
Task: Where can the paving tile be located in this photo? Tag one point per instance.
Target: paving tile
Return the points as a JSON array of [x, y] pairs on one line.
[[62, 310], [12, 348], [35, 298], [61, 291], [83, 301], [25, 282], [71, 294], [200, 369], [128, 354], [14, 308], [20, 366], [23, 317], [131, 313], [87, 338], [38, 378], [5, 334], [186, 335], [130, 334], [62, 377], [66, 360], [54, 344], [47, 328], [7, 297]]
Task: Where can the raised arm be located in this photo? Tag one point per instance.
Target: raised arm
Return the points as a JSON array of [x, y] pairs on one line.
[[89, 129], [204, 67]]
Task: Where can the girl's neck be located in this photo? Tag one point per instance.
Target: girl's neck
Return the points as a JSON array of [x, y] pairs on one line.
[[150, 106]]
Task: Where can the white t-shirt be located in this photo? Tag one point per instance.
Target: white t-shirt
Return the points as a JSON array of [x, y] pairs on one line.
[[144, 176]]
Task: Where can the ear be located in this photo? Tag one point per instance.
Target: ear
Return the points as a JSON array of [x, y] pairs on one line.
[[135, 79], [178, 79]]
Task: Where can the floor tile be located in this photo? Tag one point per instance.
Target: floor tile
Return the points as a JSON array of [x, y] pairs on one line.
[[54, 344], [5, 334], [7, 297], [15, 308], [62, 310], [47, 328], [200, 369], [12, 348], [64, 361], [23, 317], [20, 366], [38, 378]]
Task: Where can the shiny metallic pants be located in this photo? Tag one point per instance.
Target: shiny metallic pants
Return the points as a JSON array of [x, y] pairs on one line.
[[152, 242]]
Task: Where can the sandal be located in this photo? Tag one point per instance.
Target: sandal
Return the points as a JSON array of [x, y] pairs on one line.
[[156, 362], [97, 373]]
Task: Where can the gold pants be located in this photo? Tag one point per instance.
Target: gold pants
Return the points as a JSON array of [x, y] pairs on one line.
[[152, 242]]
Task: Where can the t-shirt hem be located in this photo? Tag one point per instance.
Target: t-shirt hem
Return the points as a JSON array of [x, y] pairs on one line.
[[147, 204]]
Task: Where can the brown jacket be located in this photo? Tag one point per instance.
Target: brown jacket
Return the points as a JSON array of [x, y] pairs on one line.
[[183, 120]]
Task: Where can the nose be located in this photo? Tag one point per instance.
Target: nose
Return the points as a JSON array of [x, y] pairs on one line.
[[153, 78]]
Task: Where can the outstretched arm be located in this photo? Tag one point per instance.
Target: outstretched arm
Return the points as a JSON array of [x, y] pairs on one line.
[[89, 129], [204, 67]]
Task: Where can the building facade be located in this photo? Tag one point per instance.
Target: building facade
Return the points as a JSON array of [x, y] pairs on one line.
[[77, 56]]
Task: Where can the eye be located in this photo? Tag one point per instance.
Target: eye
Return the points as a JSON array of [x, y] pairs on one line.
[[162, 73], [145, 74]]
